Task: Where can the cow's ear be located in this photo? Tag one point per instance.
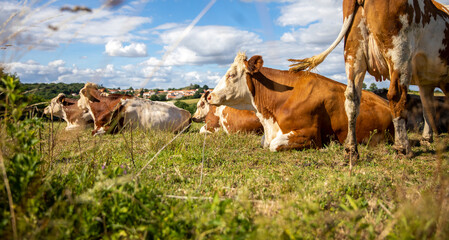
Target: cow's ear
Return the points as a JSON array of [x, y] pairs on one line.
[[254, 64], [60, 98], [90, 94], [205, 95]]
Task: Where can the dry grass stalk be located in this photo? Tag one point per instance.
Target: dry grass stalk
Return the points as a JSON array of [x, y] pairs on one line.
[[202, 161]]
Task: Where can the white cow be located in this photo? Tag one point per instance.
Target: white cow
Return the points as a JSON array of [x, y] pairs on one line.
[[68, 110], [111, 113]]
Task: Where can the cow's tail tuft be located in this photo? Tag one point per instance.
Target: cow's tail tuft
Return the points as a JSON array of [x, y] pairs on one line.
[[313, 62], [307, 64]]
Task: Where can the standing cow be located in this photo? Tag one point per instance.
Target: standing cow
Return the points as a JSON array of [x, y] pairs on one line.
[[67, 109], [229, 119], [404, 41], [297, 110]]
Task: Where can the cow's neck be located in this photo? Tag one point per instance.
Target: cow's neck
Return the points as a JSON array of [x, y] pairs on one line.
[[72, 113], [212, 120], [270, 89]]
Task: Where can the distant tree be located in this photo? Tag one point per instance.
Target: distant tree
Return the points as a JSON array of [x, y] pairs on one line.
[[154, 97], [181, 104], [364, 86], [48, 91], [372, 87], [141, 93], [192, 86], [197, 94], [158, 97], [189, 107]]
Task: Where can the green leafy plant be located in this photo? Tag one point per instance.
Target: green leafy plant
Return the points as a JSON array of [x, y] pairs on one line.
[[22, 159]]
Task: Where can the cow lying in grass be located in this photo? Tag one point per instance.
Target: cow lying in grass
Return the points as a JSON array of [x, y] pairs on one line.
[[298, 110], [415, 117], [67, 109], [229, 119], [114, 111]]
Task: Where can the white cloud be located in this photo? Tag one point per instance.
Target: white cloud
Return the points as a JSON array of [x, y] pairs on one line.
[[115, 48], [304, 12], [111, 76], [288, 37], [201, 57], [56, 63], [207, 44], [32, 28]]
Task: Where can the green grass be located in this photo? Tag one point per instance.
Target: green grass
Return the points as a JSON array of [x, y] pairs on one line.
[[188, 101], [88, 190]]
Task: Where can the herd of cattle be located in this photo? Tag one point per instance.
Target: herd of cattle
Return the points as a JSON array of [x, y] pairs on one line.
[[294, 110], [406, 42], [110, 113]]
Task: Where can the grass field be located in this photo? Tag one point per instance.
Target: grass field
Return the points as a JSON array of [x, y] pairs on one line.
[[230, 189], [188, 101]]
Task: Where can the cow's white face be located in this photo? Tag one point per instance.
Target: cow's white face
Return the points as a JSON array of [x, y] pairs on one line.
[[85, 96], [202, 109], [83, 102], [232, 90], [55, 107]]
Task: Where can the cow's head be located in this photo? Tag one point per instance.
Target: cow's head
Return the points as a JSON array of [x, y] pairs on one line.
[[235, 89], [202, 108], [56, 106], [88, 94]]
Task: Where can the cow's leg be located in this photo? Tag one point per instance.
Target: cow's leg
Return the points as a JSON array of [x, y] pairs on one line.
[[445, 88], [353, 95], [300, 139], [397, 96], [207, 129], [427, 99]]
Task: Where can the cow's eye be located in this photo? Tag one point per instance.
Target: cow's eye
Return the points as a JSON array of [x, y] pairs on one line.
[[231, 75]]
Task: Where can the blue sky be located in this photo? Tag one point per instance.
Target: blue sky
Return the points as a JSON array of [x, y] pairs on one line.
[[128, 45]]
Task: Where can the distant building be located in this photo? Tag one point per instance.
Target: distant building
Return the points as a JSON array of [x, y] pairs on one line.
[[171, 94], [148, 94]]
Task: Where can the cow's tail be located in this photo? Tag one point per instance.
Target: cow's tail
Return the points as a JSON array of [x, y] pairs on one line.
[[313, 62]]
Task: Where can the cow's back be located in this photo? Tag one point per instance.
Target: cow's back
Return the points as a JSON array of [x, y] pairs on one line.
[[241, 121], [156, 115], [325, 98]]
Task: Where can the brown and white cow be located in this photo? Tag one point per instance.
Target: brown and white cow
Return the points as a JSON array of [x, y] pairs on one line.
[[298, 110], [67, 109], [414, 112], [229, 119], [404, 41], [111, 113]]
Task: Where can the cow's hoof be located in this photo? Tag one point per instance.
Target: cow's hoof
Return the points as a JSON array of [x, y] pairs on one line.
[[425, 141], [403, 152], [351, 154]]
